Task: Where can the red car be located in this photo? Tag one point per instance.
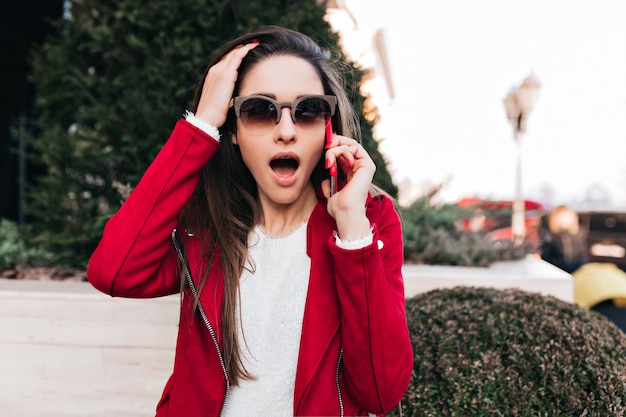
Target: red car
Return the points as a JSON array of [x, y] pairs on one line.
[[493, 218]]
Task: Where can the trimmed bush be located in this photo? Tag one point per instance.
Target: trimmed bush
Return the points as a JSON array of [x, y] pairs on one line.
[[487, 352]]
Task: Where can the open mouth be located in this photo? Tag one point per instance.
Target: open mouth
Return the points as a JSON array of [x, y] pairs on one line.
[[284, 166]]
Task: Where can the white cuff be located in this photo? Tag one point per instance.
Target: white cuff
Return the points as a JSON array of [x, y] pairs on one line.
[[359, 243], [202, 125]]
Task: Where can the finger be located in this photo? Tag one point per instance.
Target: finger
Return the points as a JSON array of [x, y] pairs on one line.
[[346, 166], [233, 59], [218, 86], [343, 152], [227, 68], [339, 140]]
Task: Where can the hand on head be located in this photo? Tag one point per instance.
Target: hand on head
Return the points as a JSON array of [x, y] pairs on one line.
[[219, 84]]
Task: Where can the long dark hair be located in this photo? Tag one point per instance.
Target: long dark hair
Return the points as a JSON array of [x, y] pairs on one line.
[[225, 206]]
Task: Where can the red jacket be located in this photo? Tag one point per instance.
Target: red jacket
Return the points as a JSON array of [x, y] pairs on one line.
[[355, 352]]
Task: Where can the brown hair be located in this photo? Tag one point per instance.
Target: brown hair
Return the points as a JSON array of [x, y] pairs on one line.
[[225, 204]]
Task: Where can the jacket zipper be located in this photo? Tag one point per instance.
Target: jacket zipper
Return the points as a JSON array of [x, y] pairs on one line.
[[205, 319], [337, 381]]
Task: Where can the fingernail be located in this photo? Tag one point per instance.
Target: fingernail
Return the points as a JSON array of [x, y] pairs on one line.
[[329, 133], [333, 170], [327, 164], [256, 42]]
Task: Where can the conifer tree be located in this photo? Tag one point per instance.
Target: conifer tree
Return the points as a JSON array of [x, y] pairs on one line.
[[110, 85]]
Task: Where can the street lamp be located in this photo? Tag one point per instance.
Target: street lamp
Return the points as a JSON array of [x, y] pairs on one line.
[[519, 103]]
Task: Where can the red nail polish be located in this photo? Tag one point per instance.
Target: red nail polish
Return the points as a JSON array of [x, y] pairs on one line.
[[327, 164], [333, 170], [329, 134]]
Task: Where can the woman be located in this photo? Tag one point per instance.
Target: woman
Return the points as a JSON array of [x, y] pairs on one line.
[[292, 298]]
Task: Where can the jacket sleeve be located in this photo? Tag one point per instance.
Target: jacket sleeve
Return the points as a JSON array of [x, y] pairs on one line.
[[377, 352], [134, 257]]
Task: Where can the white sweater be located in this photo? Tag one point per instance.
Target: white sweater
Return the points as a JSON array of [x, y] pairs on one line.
[[272, 307]]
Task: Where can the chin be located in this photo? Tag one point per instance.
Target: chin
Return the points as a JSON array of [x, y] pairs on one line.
[[288, 196]]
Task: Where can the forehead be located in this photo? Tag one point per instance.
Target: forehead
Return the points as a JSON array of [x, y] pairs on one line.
[[285, 77]]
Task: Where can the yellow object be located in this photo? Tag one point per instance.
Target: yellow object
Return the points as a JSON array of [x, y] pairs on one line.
[[596, 282]]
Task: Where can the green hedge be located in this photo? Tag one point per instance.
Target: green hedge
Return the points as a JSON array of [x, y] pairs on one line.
[[486, 352]]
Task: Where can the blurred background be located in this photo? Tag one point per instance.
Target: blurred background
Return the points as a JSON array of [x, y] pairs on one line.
[[485, 105], [447, 66], [498, 126]]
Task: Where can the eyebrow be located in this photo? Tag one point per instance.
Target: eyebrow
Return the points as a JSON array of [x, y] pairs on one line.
[[270, 95], [273, 96]]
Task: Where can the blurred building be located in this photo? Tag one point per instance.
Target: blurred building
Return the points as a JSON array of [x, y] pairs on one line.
[[363, 41]]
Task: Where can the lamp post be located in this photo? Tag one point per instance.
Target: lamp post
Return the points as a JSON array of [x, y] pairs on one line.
[[519, 103]]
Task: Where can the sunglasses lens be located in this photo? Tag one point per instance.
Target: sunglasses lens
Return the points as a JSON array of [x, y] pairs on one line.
[[311, 114], [258, 115]]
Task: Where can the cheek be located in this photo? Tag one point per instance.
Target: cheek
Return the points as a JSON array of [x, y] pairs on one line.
[[247, 154], [252, 153], [317, 152], [320, 147]]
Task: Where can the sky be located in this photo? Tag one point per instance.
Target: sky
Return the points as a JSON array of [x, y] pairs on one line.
[[452, 62]]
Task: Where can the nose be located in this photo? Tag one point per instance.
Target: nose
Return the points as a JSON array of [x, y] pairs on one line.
[[285, 129]]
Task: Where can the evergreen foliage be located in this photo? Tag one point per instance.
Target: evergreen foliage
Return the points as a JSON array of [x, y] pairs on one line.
[[110, 86], [486, 352], [15, 250]]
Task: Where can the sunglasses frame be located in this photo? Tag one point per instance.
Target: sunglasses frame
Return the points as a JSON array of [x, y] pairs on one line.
[[237, 102]]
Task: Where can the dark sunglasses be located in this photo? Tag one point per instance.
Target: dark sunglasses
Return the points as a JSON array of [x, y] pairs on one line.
[[260, 114]]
